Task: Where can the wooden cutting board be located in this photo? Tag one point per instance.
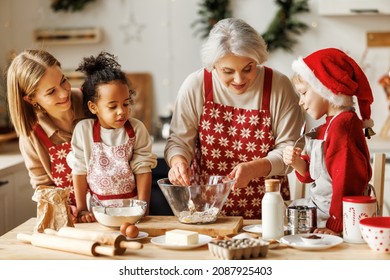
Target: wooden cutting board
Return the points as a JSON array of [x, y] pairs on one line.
[[158, 225]]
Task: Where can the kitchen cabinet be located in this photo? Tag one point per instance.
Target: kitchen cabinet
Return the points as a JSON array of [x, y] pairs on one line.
[[24, 206], [16, 204], [158, 204], [6, 204], [354, 7]]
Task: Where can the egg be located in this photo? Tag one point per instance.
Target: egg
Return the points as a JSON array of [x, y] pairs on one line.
[[123, 227], [132, 231]]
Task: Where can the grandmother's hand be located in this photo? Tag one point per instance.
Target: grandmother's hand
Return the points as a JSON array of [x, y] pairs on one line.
[[179, 174], [242, 173]]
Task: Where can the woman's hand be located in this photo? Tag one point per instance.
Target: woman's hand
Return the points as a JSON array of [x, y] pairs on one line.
[[242, 173], [291, 155], [85, 216], [179, 174]]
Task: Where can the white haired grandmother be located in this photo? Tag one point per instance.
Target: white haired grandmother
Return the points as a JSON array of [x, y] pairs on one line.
[[234, 117]]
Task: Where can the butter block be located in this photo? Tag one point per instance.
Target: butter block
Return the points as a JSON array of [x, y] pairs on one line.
[[181, 237]]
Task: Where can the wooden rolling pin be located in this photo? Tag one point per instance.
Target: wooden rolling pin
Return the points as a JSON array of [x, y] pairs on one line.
[[85, 247], [109, 238]]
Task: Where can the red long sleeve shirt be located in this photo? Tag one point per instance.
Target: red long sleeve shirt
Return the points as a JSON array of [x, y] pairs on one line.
[[347, 160]]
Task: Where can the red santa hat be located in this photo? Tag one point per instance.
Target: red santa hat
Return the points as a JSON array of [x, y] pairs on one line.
[[337, 77]]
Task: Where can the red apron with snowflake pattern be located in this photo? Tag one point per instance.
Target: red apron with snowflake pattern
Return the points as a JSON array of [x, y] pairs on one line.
[[109, 174], [60, 170], [229, 136]]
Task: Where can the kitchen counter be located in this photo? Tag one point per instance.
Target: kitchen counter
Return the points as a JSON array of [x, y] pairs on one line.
[[13, 249], [10, 157]]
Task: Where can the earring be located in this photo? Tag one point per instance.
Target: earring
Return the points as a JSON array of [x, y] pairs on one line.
[[38, 107]]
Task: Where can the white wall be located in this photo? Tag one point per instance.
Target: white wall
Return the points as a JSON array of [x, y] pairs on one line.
[[167, 47]]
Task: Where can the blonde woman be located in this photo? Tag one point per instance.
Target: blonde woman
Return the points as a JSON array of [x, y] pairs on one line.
[[44, 111]]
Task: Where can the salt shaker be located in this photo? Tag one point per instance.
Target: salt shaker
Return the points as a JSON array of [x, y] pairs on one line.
[[272, 208]]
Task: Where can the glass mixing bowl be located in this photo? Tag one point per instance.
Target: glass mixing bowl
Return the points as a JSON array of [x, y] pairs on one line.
[[199, 203]]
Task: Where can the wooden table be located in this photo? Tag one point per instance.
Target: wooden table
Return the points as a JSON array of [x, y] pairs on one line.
[[13, 249]]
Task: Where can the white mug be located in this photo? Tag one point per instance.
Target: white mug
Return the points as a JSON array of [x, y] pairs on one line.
[[356, 208]]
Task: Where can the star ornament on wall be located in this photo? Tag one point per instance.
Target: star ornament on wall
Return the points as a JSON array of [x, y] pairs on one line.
[[132, 30]]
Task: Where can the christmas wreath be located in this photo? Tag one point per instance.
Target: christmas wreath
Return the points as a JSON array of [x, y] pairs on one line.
[[69, 5], [280, 31]]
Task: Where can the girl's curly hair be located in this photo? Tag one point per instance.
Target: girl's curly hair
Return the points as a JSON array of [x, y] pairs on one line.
[[102, 69]]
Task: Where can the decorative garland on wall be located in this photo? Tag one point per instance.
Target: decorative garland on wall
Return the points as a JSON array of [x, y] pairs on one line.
[[69, 5], [283, 26], [280, 31], [210, 12]]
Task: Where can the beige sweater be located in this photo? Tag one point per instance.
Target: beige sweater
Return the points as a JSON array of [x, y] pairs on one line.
[[286, 115], [35, 153]]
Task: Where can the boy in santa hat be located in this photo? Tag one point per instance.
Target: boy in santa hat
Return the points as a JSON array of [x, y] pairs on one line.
[[337, 160]]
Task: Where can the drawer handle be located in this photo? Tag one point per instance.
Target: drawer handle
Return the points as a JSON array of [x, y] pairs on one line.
[[365, 11], [3, 183]]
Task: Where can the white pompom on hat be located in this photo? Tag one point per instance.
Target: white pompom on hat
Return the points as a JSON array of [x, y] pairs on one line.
[[337, 77]]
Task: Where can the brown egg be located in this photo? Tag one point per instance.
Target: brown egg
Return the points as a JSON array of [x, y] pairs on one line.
[[132, 231], [123, 227]]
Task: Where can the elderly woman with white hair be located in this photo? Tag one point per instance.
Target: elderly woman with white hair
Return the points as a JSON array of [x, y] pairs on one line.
[[234, 117]]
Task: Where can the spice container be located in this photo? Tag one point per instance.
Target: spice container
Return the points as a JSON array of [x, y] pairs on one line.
[[301, 219], [272, 208]]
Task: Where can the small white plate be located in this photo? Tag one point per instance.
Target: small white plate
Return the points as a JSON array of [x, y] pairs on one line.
[[295, 241], [141, 235], [257, 228], [160, 241]]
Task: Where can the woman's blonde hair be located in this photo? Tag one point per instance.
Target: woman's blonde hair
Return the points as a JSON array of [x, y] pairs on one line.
[[233, 36], [23, 76]]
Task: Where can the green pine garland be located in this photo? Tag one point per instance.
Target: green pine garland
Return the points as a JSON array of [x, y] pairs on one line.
[[210, 12], [69, 5], [279, 33], [284, 25]]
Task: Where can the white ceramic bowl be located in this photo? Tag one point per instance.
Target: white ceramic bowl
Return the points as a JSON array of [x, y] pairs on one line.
[[114, 212], [376, 232], [312, 239]]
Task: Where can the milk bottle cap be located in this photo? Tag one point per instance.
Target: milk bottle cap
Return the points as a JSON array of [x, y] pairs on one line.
[[272, 185]]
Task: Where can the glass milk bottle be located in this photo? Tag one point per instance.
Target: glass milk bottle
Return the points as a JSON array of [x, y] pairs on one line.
[[272, 208]]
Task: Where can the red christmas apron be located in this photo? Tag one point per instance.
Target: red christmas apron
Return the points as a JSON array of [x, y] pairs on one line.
[[60, 170], [109, 173], [229, 136]]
